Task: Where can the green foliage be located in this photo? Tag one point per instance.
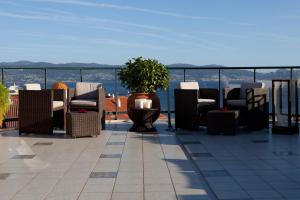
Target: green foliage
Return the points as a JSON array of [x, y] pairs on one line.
[[4, 101], [144, 75]]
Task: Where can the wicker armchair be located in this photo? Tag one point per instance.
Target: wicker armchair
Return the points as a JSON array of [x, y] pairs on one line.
[[252, 100], [89, 96], [41, 110], [192, 104]]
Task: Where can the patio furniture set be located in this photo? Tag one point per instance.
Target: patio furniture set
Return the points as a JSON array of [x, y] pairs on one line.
[[81, 111], [246, 106]]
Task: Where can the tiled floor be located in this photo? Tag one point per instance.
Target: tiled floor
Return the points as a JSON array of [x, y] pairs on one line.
[[178, 165]]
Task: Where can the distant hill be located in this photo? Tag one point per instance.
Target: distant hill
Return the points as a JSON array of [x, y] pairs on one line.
[[25, 63]]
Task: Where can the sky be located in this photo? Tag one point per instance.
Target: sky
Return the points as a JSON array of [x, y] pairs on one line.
[[200, 32]]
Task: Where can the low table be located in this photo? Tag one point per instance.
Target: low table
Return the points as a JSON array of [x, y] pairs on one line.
[[225, 122], [83, 124], [142, 120]]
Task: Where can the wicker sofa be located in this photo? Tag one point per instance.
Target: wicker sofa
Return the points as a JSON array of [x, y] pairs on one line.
[[89, 96], [41, 110], [192, 104], [252, 100]]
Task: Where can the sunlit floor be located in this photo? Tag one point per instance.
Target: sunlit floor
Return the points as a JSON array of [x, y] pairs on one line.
[[180, 165]]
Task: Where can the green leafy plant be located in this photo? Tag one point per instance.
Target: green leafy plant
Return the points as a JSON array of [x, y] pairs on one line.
[[144, 75], [4, 101]]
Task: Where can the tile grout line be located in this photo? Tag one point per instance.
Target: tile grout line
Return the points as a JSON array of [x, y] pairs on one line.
[[118, 168], [167, 167], [143, 167], [263, 180], [189, 157], [93, 168]]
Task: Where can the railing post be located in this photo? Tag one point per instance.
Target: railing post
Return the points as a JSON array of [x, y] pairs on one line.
[[45, 77], [291, 73], [220, 92], [184, 75], [116, 96], [2, 76], [254, 75], [80, 70], [168, 107]]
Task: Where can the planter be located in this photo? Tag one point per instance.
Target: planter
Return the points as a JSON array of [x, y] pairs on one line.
[[137, 95]]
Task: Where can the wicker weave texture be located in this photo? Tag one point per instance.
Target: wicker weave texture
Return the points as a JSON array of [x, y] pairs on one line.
[[35, 111], [83, 124]]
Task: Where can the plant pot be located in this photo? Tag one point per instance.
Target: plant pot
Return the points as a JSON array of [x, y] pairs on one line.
[[140, 95]]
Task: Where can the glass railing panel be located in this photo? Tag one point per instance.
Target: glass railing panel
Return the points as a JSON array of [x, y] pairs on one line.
[[22, 76], [177, 76], [68, 76], [296, 94], [232, 78], [207, 78]]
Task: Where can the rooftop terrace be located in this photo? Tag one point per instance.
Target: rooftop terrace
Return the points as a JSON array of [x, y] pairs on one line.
[[167, 165]]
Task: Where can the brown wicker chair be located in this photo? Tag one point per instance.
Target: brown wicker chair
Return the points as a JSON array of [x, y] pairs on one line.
[[192, 104], [89, 96], [41, 110], [252, 100]]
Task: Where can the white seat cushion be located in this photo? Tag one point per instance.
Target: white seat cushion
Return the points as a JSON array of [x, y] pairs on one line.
[[32, 86], [236, 102], [83, 102], [58, 104], [189, 85], [86, 90], [206, 102], [245, 86]]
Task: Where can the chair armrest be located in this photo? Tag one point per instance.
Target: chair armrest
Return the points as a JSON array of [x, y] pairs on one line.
[[39, 100], [71, 94], [101, 98], [257, 95], [186, 99]]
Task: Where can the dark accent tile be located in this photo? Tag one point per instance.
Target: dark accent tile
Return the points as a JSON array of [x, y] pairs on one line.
[[191, 142], [184, 133], [111, 156], [43, 143], [3, 176], [206, 155], [260, 141], [23, 157], [103, 174], [115, 143], [215, 173], [238, 199], [285, 153], [120, 133]]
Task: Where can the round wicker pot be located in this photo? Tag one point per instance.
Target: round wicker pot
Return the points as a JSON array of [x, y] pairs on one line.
[[140, 95]]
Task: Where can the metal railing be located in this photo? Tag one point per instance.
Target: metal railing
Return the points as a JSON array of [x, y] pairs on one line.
[[184, 72]]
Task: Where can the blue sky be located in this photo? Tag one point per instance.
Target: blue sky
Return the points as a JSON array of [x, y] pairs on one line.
[[226, 32]]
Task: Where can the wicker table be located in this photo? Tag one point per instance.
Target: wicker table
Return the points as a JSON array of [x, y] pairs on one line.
[[225, 122], [142, 120], [83, 124]]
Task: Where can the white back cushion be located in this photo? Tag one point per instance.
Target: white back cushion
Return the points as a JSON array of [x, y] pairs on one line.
[[32, 86], [86, 90], [245, 86], [189, 85]]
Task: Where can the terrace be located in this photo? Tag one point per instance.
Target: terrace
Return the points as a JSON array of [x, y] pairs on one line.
[[169, 164]]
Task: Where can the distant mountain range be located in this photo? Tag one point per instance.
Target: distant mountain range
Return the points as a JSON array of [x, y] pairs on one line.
[[25, 63]]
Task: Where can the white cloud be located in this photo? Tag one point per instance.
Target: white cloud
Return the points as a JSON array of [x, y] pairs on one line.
[[138, 9]]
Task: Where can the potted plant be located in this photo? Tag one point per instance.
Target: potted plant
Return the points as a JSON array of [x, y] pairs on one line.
[[4, 102], [143, 77]]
